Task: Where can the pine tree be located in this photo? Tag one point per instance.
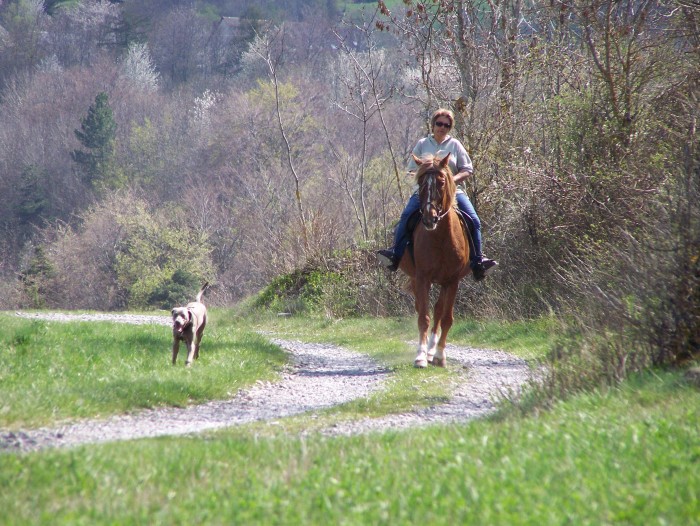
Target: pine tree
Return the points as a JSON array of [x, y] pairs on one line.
[[35, 278], [97, 134], [33, 197]]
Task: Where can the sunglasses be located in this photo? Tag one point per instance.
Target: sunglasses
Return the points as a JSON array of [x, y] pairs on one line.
[[443, 125]]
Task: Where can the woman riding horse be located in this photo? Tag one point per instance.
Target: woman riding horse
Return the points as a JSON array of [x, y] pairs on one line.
[[440, 256], [440, 143]]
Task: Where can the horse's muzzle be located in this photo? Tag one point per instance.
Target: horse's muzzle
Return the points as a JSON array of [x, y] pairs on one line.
[[430, 218]]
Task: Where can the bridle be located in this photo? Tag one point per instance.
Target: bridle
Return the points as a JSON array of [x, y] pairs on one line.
[[429, 191]]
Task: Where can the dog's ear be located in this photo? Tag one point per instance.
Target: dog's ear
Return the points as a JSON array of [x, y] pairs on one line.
[[172, 312], [189, 315]]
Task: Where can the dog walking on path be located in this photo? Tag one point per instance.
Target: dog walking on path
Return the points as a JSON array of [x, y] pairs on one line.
[[188, 326]]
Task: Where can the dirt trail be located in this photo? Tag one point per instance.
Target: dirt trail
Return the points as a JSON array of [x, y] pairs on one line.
[[319, 376]]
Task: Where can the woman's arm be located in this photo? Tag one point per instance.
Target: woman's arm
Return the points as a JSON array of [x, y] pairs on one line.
[[464, 162], [461, 176]]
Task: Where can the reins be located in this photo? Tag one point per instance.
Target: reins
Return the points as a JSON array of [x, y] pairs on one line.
[[431, 177]]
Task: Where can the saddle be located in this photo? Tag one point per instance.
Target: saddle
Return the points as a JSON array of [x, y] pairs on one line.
[[464, 219]]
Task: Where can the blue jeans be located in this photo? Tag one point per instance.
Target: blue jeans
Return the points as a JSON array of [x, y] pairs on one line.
[[464, 204]]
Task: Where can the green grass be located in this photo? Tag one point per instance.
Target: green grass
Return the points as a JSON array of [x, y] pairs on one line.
[[394, 340], [624, 456], [51, 371], [530, 339], [629, 455]]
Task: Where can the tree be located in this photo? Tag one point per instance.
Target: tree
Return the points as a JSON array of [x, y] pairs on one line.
[[34, 279], [22, 27], [34, 198], [161, 255], [366, 94], [177, 45], [97, 133], [138, 68], [271, 49]]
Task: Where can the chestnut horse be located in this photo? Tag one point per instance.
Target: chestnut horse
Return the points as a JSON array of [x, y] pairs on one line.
[[440, 257]]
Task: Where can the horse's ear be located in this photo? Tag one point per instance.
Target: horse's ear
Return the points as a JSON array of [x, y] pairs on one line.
[[445, 160], [417, 159]]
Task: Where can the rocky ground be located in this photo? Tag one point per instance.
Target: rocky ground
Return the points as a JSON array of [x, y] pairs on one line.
[[319, 376]]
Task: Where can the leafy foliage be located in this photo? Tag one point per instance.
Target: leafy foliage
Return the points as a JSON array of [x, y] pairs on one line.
[[159, 257], [346, 286], [35, 278], [175, 291], [52, 6], [298, 292], [124, 255]]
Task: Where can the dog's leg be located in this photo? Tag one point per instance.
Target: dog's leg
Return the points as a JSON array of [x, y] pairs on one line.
[[190, 349], [200, 332], [176, 348], [198, 340]]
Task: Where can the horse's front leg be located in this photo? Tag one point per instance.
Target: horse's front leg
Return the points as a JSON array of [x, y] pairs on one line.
[[434, 335], [422, 308], [444, 312]]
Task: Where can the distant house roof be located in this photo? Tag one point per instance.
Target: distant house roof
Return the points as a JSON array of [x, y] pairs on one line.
[[228, 27]]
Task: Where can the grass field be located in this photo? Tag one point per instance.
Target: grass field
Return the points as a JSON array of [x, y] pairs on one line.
[[51, 371], [629, 455]]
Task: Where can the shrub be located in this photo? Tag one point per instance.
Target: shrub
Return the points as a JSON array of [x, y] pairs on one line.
[[121, 255], [350, 284], [159, 252], [175, 291]]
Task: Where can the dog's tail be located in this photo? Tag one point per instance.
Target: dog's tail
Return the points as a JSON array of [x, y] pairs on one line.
[[201, 291]]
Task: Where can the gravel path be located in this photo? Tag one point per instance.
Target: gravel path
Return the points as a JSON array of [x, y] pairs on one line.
[[319, 376]]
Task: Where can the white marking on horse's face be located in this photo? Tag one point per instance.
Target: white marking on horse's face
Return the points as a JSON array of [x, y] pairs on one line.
[[431, 208], [430, 218]]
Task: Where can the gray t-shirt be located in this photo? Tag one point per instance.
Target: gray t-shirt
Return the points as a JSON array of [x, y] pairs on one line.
[[459, 158]]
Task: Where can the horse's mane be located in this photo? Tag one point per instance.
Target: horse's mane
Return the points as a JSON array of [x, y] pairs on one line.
[[431, 163]]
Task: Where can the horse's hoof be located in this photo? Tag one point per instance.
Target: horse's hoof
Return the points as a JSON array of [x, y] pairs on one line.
[[421, 363], [439, 362]]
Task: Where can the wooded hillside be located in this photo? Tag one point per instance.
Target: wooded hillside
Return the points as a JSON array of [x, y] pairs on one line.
[[146, 146]]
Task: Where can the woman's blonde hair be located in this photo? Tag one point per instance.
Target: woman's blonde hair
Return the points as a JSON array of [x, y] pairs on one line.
[[442, 112]]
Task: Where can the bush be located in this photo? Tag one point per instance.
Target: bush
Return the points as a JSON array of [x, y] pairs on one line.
[[300, 292], [175, 291], [122, 255], [350, 284]]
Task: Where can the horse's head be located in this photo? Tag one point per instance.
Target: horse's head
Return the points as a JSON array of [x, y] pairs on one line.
[[436, 189]]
